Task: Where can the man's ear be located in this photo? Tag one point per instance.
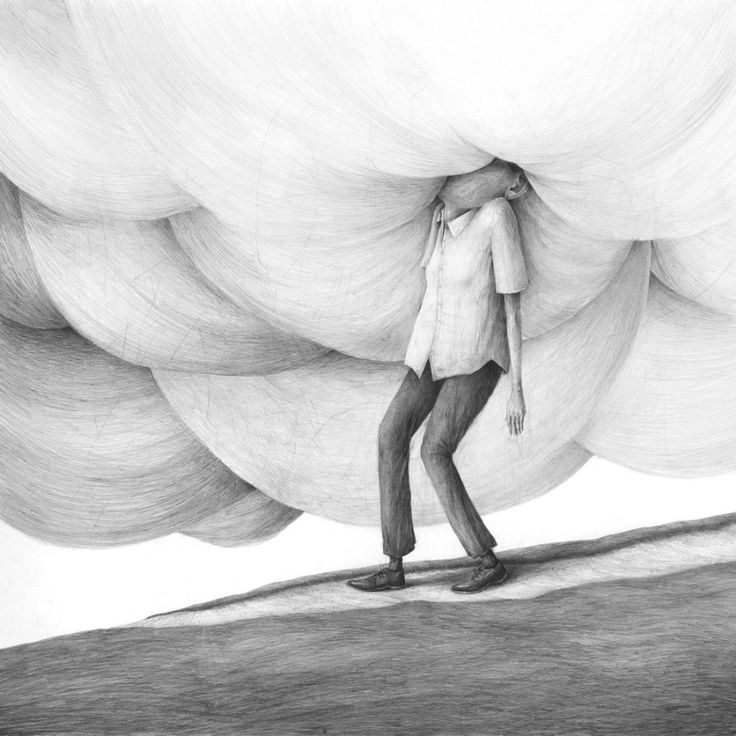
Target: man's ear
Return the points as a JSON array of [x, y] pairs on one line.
[[519, 187]]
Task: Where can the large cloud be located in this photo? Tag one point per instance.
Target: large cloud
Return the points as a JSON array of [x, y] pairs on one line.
[[229, 193], [92, 454]]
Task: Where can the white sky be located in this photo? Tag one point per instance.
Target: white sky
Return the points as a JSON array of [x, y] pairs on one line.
[[47, 590]]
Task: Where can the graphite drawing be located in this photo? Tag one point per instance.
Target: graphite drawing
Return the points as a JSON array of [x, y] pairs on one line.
[[269, 264]]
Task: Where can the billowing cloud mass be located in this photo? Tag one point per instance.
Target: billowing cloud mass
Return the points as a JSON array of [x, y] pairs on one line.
[[211, 221]]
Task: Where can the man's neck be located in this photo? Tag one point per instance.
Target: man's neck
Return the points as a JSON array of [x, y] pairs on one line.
[[452, 211]]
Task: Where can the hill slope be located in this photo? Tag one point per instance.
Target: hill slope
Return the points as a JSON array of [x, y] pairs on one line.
[[650, 654]]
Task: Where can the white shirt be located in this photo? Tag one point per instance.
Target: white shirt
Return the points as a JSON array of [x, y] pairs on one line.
[[470, 261]]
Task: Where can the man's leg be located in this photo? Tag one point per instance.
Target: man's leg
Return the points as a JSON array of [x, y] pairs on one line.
[[460, 400], [407, 411], [405, 414]]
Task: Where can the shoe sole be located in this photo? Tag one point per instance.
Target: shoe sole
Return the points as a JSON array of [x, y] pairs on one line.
[[376, 590]]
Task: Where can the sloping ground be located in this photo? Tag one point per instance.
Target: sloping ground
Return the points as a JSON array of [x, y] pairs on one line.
[[535, 571], [641, 655]]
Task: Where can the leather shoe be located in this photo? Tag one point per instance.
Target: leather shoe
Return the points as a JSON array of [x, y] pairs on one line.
[[483, 578], [384, 579]]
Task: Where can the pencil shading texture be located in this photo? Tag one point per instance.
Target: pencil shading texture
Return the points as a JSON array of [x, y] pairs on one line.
[[212, 221]]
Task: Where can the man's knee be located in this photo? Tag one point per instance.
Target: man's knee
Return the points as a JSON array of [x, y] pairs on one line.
[[435, 452], [392, 436]]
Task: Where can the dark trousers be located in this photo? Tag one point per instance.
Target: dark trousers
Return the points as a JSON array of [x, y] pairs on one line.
[[454, 403]]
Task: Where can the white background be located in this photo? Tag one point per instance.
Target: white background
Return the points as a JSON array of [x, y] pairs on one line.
[[46, 590]]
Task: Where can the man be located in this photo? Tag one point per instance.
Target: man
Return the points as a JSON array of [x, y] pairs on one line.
[[467, 333]]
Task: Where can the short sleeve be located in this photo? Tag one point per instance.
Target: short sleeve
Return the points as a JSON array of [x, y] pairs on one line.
[[509, 268]]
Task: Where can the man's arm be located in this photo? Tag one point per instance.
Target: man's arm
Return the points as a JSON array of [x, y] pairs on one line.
[[516, 408], [511, 278]]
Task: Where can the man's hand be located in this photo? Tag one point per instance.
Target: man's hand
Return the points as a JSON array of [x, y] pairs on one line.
[[515, 411]]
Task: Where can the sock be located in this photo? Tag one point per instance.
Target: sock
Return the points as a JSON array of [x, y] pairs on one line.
[[395, 564], [489, 559]]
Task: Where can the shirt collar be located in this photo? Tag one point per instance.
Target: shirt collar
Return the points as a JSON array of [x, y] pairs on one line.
[[458, 224]]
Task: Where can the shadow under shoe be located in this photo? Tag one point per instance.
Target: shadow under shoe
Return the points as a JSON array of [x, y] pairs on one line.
[[384, 579], [483, 578]]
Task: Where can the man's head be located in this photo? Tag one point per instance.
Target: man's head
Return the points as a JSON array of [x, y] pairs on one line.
[[497, 179]]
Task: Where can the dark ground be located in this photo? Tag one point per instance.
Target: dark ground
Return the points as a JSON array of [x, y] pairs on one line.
[[649, 656]]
